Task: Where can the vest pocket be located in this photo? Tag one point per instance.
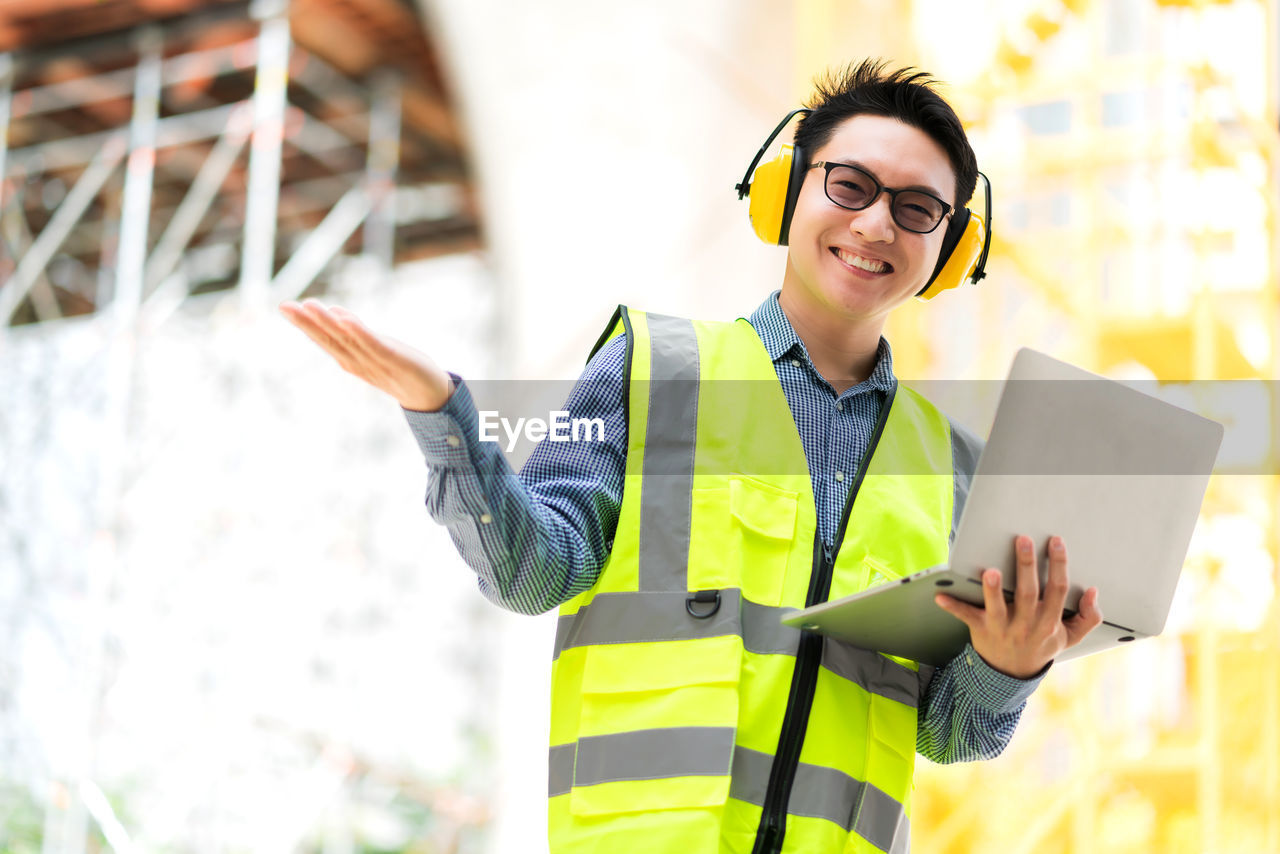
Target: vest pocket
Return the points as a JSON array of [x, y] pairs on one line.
[[878, 572], [891, 746], [764, 527], [657, 727]]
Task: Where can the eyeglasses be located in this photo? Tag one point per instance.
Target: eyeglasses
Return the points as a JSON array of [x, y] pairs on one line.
[[856, 189]]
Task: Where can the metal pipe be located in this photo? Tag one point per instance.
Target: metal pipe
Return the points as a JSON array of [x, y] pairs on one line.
[[105, 563], [111, 85], [326, 82], [322, 244], [60, 224], [114, 45], [333, 148], [135, 216], [269, 98], [16, 233], [296, 199], [6, 106], [384, 160], [204, 189], [75, 151]]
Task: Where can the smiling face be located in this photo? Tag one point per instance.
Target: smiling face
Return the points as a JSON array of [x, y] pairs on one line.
[[849, 269]]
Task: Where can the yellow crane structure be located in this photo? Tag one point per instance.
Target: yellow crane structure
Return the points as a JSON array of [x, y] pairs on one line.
[[1132, 145]]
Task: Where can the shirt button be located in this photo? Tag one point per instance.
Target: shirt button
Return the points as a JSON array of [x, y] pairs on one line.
[[968, 659], [795, 363], [839, 476], [840, 406], [453, 441], [485, 518]]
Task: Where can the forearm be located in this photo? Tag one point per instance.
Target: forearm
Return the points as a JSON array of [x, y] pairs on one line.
[[521, 562], [969, 711], [538, 539]]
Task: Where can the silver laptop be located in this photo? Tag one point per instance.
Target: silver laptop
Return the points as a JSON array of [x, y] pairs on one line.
[[1120, 475]]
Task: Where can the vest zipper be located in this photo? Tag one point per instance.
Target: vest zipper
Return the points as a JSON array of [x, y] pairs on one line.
[[804, 678]]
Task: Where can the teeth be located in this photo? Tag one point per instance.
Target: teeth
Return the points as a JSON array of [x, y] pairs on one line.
[[862, 263]]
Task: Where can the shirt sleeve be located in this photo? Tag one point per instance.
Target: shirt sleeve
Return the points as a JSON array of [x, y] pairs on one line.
[[537, 539], [970, 710]]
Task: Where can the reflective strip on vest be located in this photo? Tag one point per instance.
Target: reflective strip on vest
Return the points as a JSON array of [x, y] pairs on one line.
[[653, 753], [560, 769], [631, 617], [666, 496], [817, 792], [826, 793], [640, 617]]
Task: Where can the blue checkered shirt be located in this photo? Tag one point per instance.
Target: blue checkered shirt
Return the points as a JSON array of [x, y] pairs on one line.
[[537, 539]]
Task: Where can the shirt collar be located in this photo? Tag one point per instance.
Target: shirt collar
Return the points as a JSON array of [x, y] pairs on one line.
[[780, 340]]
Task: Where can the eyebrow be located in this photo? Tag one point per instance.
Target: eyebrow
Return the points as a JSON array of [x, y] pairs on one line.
[[922, 187]]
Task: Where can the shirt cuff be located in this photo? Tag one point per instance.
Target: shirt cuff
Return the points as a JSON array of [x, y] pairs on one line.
[[446, 435], [991, 689]]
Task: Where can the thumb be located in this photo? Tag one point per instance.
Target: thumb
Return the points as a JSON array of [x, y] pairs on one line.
[[1088, 618], [968, 614]]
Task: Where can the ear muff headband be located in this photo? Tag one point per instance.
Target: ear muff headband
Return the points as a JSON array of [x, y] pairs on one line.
[[774, 187], [744, 186], [964, 250]]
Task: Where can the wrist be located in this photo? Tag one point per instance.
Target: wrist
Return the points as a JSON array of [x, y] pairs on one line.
[[429, 403], [1012, 671]]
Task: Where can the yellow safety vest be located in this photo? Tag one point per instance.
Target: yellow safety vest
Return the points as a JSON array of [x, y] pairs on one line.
[[685, 718]]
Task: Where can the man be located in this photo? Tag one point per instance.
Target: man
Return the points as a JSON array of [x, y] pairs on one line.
[[748, 469]]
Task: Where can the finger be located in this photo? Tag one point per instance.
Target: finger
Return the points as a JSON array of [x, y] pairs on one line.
[[341, 333], [362, 338], [1055, 592], [356, 334], [321, 327], [294, 313], [1027, 591], [323, 317], [348, 320], [993, 596], [306, 321], [970, 615], [1086, 619]]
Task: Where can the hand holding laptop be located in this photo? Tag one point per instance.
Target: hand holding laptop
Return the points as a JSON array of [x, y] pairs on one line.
[[1021, 638], [1119, 472]]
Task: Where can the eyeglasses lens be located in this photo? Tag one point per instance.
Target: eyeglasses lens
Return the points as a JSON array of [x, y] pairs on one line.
[[854, 189]]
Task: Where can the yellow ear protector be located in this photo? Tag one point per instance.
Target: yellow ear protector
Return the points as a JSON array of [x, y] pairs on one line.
[[775, 186]]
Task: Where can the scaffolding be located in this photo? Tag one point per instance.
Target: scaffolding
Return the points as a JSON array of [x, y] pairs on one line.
[[152, 155], [236, 145]]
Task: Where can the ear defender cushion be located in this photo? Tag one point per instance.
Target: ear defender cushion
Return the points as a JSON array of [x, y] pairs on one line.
[[799, 166], [961, 248], [768, 196], [774, 190]]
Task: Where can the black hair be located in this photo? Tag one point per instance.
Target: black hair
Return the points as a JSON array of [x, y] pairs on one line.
[[905, 95]]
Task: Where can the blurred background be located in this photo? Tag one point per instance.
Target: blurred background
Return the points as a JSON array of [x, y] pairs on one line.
[[227, 623]]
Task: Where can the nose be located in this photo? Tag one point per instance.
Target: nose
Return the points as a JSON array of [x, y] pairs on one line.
[[875, 223]]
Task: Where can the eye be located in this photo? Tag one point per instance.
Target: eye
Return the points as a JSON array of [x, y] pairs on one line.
[[848, 187], [918, 211]]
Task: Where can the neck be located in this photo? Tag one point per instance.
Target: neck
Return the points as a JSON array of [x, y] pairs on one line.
[[843, 352]]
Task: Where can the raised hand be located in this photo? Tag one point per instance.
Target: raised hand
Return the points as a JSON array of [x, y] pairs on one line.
[[383, 362], [1021, 637]]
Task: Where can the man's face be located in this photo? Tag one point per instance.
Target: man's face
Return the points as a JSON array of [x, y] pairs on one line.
[[861, 264]]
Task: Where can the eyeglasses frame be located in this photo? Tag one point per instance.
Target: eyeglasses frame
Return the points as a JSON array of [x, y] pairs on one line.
[[880, 188]]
